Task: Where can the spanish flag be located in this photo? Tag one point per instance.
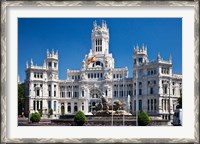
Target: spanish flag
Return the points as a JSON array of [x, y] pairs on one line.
[[91, 60]]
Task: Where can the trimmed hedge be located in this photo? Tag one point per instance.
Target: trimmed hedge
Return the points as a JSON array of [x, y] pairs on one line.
[[80, 118], [35, 117], [143, 119]]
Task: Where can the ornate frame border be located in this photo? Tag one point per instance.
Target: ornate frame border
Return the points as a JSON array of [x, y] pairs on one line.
[[5, 4]]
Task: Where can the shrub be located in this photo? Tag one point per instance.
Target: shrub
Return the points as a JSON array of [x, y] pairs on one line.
[[143, 119], [80, 118], [51, 112], [40, 112], [35, 117]]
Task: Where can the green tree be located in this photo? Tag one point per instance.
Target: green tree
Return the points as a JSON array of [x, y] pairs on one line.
[[35, 117], [143, 119], [80, 118], [21, 98], [51, 112]]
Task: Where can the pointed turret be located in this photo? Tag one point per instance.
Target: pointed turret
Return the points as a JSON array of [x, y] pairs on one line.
[[44, 64], [158, 57], [31, 62], [170, 58], [26, 64]]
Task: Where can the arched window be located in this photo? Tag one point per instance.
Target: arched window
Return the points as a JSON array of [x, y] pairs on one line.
[[75, 108], [82, 93], [106, 92], [69, 109]]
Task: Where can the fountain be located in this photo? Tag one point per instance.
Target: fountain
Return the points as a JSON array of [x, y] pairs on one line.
[[105, 107]]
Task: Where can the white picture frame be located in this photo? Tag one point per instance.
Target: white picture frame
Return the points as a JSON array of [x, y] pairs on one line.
[[5, 76]]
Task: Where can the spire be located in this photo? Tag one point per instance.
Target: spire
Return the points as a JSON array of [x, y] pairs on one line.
[[47, 52], [94, 24], [103, 23], [52, 52], [143, 47], [44, 64], [137, 47], [170, 58], [158, 56], [26, 64], [31, 62], [57, 53]]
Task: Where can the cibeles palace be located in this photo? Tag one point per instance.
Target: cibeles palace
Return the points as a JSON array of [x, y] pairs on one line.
[[153, 84]]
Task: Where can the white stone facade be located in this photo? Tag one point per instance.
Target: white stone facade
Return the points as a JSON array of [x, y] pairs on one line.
[[153, 82]]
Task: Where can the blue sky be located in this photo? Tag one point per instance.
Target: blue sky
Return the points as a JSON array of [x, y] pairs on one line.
[[72, 38]]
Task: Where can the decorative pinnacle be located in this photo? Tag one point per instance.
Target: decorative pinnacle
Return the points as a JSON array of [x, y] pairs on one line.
[[159, 55], [31, 62]]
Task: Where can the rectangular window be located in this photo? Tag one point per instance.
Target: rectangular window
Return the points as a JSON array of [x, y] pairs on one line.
[[151, 90], [148, 104], [37, 105], [82, 93], [140, 91], [54, 105], [38, 92], [49, 93], [140, 105], [155, 104], [49, 64], [88, 75], [151, 104], [154, 81], [33, 105], [165, 91], [34, 75], [134, 105], [68, 94], [54, 93], [173, 91], [55, 65], [41, 104]]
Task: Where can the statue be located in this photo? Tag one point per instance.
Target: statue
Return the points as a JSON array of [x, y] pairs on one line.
[[107, 74], [83, 76], [105, 107], [83, 64]]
